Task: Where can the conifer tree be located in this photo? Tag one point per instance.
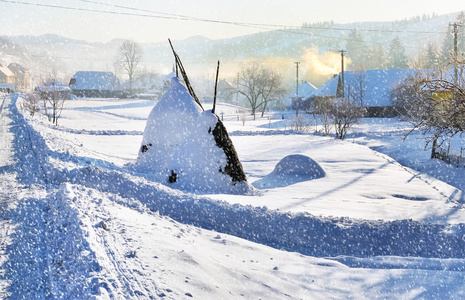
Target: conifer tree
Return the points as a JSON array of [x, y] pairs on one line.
[[397, 58], [430, 56], [356, 49]]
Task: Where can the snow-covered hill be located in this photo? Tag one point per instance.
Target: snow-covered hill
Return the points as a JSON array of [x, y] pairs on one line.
[[279, 47]]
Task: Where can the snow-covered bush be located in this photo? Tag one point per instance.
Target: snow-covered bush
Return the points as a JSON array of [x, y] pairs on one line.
[[291, 169]]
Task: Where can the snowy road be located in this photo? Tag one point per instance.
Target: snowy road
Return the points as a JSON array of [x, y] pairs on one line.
[[8, 191], [6, 156], [23, 251]]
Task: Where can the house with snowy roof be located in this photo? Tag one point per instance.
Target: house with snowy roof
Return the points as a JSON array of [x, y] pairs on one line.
[[54, 90], [225, 91], [95, 84], [7, 80], [370, 89], [22, 76], [305, 89]]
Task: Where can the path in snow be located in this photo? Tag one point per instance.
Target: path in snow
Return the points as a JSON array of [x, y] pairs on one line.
[[23, 251], [8, 192]]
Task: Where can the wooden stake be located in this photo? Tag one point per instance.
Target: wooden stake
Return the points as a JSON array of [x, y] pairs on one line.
[[216, 86], [184, 76]]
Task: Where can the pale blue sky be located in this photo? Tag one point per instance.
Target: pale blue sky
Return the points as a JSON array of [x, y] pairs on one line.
[[102, 20]]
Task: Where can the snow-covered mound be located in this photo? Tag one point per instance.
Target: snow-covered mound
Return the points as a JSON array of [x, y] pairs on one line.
[[189, 148], [291, 169], [168, 124]]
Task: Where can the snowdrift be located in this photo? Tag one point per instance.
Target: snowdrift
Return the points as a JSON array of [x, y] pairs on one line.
[[291, 169]]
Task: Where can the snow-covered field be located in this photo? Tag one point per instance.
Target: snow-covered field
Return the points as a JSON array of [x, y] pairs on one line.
[[78, 222]]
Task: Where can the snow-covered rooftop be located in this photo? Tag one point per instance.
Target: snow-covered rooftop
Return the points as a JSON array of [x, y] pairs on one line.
[[53, 86], [94, 80], [376, 85], [6, 71], [305, 89]]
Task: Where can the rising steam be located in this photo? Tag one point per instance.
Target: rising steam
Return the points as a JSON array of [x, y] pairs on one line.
[[319, 67]]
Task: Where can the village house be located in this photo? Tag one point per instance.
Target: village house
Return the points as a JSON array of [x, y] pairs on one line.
[[370, 89], [300, 101], [7, 80], [54, 90], [95, 84], [226, 91], [22, 77]]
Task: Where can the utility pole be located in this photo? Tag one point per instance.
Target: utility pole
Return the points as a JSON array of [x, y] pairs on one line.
[[455, 30], [297, 79], [297, 102], [342, 71], [237, 89]]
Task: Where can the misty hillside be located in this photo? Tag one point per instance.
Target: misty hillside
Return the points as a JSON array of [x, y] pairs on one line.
[[309, 43]]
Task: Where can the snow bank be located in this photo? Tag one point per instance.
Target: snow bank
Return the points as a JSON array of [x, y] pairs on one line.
[[300, 232], [291, 169]]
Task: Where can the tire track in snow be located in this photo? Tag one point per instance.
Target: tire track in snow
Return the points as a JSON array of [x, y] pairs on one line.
[[108, 243]]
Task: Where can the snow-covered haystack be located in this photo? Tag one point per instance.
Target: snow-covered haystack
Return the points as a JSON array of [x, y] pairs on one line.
[[168, 124], [291, 169], [189, 148]]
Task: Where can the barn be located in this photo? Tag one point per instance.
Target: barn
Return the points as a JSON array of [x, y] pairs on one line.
[[95, 84]]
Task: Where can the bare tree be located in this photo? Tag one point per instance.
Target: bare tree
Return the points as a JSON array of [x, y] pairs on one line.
[[53, 94], [31, 103], [128, 58], [321, 108], [259, 85], [272, 87], [340, 113], [434, 103], [345, 114]]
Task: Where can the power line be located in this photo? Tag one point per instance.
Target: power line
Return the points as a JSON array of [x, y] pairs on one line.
[[184, 17], [86, 9], [162, 15], [159, 15], [138, 12], [256, 24]]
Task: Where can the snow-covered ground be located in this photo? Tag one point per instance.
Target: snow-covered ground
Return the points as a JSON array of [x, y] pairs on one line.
[[78, 222]]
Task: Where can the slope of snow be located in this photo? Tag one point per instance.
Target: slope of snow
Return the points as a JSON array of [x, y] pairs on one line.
[[83, 225]]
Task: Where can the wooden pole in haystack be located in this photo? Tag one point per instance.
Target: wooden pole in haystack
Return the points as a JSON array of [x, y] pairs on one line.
[[184, 76], [216, 87], [233, 166]]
